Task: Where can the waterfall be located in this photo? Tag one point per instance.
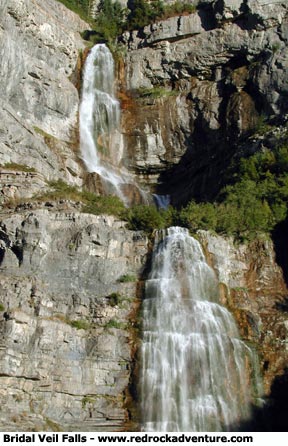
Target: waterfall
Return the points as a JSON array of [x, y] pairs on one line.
[[195, 369], [161, 201], [101, 142]]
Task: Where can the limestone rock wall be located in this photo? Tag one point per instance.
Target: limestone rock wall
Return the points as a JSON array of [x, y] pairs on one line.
[[69, 315], [39, 48], [191, 87], [199, 83], [67, 320], [253, 288]]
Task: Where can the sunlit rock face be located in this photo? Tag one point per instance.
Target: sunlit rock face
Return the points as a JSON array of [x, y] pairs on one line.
[[66, 320], [254, 289], [39, 47], [191, 90]]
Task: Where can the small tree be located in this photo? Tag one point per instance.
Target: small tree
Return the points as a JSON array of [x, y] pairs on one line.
[[143, 13], [109, 22]]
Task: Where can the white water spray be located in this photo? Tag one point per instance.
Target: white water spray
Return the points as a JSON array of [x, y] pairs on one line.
[[161, 201], [101, 142], [195, 369]]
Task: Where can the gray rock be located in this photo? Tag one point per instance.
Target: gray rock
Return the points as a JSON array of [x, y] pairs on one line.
[[39, 48], [227, 61], [58, 268], [252, 286]]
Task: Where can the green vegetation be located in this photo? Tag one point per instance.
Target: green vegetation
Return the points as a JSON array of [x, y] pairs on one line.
[[92, 203], [88, 400], [50, 140], [81, 7], [148, 218], [276, 47], [54, 427], [127, 278], [114, 299], [59, 190], [97, 205], [18, 167], [42, 132], [240, 289], [2, 308], [115, 324], [80, 324], [112, 20], [178, 8], [109, 23], [142, 13], [255, 202], [262, 126]]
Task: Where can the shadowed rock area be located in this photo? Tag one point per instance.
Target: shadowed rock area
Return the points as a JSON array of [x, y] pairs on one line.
[[198, 84]]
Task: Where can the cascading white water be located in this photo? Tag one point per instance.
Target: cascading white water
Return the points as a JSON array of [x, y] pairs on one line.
[[161, 201], [101, 142], [194, 374]]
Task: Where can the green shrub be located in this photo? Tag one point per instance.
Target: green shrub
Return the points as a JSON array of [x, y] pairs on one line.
[[80, 7], [143, 13], [97, 205], [178, 8], [2, 308], [262, 125], [80, 324], [88, 400], [92, 203], [199, 216], [255, 202], [19, 167], [59, 190], [114, 299], [127, 278], [147, 218], [115, 324], [110, 21]]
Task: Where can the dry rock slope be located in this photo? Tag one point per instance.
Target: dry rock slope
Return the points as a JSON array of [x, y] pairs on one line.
[[39, 48]]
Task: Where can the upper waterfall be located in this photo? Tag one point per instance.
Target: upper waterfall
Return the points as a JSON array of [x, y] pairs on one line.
[[101, 142], [195, 369]]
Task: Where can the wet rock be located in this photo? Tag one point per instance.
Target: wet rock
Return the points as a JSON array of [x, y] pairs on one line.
[[255, 291]]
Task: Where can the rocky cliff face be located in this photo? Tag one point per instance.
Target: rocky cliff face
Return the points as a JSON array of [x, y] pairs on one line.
[[70, 287], [68, 293], [252, 286], [39, 47], [69, 303], [214, 72]]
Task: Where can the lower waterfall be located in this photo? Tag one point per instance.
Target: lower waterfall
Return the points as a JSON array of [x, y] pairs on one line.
[[195, 369]]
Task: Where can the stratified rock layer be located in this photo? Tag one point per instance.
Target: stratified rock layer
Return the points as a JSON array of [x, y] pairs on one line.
[[197, 84], [66, 320], [191, 88], [39, 48], [253, 288]]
